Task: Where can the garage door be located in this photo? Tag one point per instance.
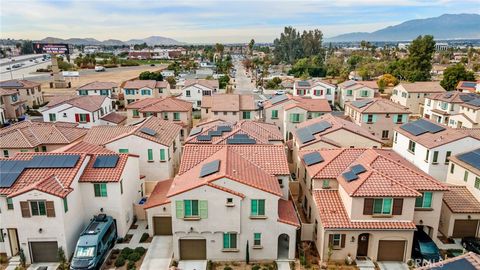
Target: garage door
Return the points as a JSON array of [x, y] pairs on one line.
[[44, 251], [162, 225], [465, 228], [391, 250], [193, 249]]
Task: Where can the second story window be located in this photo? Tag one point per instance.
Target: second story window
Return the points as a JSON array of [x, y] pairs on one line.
[[295, 118], [465, 176], [100, 189], [257, 208], [52, 117], [165, 116], [146, 92], [477, 183], [435, 157], [349, 92], [191, 208], [6, 154], [382, 206], [246, 115], [123, 151], [9, 204], [162, 155], [187, 93], [38, 208], [425, 201], [274, 114], [176, 116], [229, 241], [411, 146], [135, 113], [83, 92]]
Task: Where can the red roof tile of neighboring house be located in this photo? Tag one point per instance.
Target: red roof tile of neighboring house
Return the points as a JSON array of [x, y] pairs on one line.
[[464, 85], [460, 200], [166, 132], [422, 87], [30, 177], [159, 194], [50, 185], [380, 105], [463, 164], [268, 103], [92, 174], [287, 213], [448, 135], [310, 105], [453, 97], [229, 102], [18, 84], [212, 84], [333, 215], [234, 165], [98, 86], [84, 147], [7, 92], [88, 103], [137, 84], [163, 104], [114, 117], [387, 174], [27, 134], [162, 84], [471, 258], [263, 133], [337, 124]]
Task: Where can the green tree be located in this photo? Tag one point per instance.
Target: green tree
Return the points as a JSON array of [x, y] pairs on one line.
[[419, 60], [334, 66], [453, 74], [250, 46], [312, 43], [223, 81], [288, 47], [171, 80], [27, 47], [147, 75]]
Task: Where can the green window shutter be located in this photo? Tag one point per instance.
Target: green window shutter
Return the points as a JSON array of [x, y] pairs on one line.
[[374, 118], [203, 208], [187, 204], [404, 118], [477, 183], [427, 199], [123, 151], [377, 206], [419, 201], [261, 207], [179, 208], [162, 154], [65, 204], [96, 190], [150, 154], [394, 118], [365, 118], [465, 176], [387, 206], [300, 117], [290, 116], [103, 190], [176, 116], [254, 207], [226, 240]]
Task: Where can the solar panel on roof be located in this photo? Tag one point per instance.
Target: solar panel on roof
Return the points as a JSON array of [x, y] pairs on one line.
[[240, 135], [448, 95], [431, 127], [304, 135], [215, 133], [303, 83], [210, 168], [54, 161], [474, 102], [204, 138], [319, 127], [413, 129], [11, 84], [361, 103], [106, 161], [469, 84], [349, 176], [10, 170], [195, 131], [277, 99], [357, 169], [349, 83], [148, 131], [472, 158], [224, 128], [312, 158]]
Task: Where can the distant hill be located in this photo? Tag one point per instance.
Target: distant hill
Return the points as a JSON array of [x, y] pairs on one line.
[[447, 26], [153, 40]]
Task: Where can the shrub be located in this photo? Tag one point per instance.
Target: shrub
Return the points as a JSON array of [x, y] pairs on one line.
[[144, 237], [256, 267], [209, 265], [130, 265], [227, 268], [134, 257], [120, 262], [120, 240], [126, 251], [140, 250]]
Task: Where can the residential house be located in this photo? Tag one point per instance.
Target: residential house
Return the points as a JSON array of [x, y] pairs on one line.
[[412, 95], [465, 171], [378, 115], [27, 136], [109, 89], [29, 91], [362, 203], [172, 109], [194, 91], [113, 119], [352, 91], [12, 105], [468, 115], [246, 183], [229, 107], [329, 131], [3, 119], [155, 141], [242, 132], [468, 87], [428, 145], [87, 111], [142, 89], [315, 89], [45, 206], [440, 107]]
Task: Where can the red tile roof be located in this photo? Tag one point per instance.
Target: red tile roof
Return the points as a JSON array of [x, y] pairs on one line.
[[387, 174], [212, 84], [422, 87], [453, 97], [159, 194], [114, 117], [310, 105], [472, 259], [337, 123], [333, 215], [166, 132], [84, 147], [460, 200], [137, 84], [263, 133], [88, 103], [163, 104], [229, 102], [287, 213], [27, 134], [380, 105], [7, 92], [471, 88], [24, 83], [102, 175], [98, 86]]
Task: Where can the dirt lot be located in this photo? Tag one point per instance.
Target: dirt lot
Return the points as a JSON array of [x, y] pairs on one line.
[[117, 75]]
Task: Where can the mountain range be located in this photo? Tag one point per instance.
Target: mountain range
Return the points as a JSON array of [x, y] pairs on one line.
[[446, 26], [153, 40]]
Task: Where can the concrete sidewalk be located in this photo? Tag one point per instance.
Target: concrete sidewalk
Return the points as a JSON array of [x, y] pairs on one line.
[[159, 254], [192, 265]]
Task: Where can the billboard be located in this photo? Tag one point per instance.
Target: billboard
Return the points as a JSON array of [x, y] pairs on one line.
[[51, 48]]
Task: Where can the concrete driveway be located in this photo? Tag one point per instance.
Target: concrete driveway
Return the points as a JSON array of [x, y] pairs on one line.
[[192, 265], [392, 266], [159, 254]]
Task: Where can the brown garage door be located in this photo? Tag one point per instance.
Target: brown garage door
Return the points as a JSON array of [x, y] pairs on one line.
[[465, 228], [162, 225], [391, 250], [193, 249], [44, 251]]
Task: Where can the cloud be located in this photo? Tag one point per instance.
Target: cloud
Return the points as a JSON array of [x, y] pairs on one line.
[[208, 21]]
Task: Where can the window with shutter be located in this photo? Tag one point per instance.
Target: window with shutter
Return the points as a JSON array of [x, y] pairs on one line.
[[257, 208], [150, 155], [162, 154], [25, 208], [50, 208], [368, 206], [179, 206], [203, 208], [425, 201], [397, 206]]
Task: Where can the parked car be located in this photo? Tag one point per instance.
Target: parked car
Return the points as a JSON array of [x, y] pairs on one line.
[[424, 249], [280, 92], [94, 243], [99, 68], [256, 90], [471, 244]]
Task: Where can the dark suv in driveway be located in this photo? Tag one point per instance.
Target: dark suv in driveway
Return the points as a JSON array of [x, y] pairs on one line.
[[471, 244], [424, 249]]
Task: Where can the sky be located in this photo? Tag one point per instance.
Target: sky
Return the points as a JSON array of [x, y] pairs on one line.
[[210, 21]]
